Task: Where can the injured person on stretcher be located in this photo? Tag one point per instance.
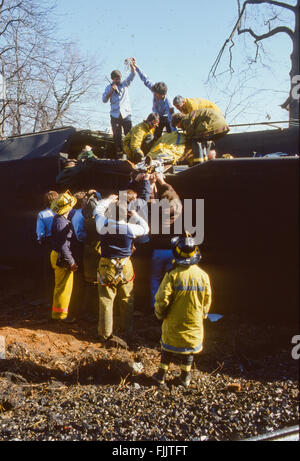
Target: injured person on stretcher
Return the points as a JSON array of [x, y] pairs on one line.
[[173, 149]]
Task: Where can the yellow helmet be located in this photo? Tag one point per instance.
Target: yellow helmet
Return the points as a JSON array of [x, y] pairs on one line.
[[63, 203]]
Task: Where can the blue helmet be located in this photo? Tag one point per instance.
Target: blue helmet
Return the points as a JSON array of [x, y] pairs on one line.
[[185, 251]]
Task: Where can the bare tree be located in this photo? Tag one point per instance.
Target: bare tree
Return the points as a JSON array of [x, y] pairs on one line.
[[21, 22], [44, 78], [274, 18], [69, 78]]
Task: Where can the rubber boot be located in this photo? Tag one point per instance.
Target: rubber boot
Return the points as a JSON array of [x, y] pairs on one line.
[[185, 378], [160, 376], [204, 148], [198, 153]]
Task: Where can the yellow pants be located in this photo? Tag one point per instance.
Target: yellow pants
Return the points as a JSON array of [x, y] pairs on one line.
[[62, 288], [115, 299]]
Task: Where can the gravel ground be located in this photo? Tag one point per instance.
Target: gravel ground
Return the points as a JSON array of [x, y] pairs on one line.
[[59, 383], [99, 395]]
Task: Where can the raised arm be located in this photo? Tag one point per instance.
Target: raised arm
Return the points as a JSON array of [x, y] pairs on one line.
[[129, 79], [142, 76], [100, 210]]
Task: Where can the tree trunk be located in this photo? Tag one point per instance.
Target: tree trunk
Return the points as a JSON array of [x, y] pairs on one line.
[[295, 70]]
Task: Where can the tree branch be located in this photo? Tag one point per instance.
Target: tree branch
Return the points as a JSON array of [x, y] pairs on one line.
[[236, 28], [270, 2], [277, 30]]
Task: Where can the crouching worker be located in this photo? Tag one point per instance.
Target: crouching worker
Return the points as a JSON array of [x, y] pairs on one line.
[[137, 142], [115, 272], [62, 259], [182, 302], [201, 128]]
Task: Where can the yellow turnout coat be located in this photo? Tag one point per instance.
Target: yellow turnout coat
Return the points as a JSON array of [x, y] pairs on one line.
[[191, 104], [204, 123], [133, 141], [182, 301]]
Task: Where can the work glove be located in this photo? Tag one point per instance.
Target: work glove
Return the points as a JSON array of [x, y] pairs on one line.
[[138, 156]]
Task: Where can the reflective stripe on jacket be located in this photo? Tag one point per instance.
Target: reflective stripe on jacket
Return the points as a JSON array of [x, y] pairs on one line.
[[183, 300]]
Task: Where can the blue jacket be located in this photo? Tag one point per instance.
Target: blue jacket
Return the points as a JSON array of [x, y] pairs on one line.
[[162, 106], [44, 223], [119, 102]]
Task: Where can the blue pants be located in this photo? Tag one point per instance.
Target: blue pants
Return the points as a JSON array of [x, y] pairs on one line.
[[160, 264]]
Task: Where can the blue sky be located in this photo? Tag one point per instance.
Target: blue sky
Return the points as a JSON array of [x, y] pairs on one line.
[[176, 42]]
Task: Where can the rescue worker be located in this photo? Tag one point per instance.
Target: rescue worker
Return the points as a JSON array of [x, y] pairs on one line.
[[201, 127], [187, 105], [182, 302], [43, 233], [133, 141], [161, 103], [120, 110], [62, 259], [115, 273]]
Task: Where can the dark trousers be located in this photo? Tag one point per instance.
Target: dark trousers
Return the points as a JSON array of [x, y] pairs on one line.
[[91, 302], [141, 261], [201, 145], [116, 125], [185, 360], [77, 297], [163, 123]]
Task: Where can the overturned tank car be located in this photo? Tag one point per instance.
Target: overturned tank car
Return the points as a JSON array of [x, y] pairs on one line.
[[251, 208]]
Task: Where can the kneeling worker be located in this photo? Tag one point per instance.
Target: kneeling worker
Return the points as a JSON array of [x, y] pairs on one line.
[[201, 126], [133, 141], [182, 302]]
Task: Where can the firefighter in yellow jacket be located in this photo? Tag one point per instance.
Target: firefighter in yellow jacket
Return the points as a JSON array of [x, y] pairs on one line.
[[182, 302], [187, 105], [133, 141], [201, 127]]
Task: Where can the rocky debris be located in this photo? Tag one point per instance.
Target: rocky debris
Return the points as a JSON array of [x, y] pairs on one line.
[[58, 382], [103, 395]]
